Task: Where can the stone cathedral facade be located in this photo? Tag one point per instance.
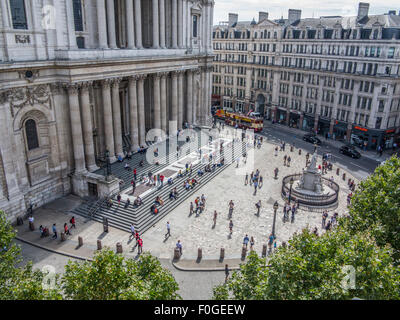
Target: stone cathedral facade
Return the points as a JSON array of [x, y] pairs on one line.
[[79, 77]]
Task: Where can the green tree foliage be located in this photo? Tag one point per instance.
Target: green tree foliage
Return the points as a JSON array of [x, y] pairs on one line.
[[314, 267], [375, 206], [20, 283], [112, 277]]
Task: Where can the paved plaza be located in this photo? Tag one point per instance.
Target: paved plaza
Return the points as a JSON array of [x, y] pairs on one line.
[[198, 231]]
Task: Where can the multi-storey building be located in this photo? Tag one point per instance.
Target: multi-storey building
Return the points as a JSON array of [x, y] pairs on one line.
[[79, 77], [335, 75]]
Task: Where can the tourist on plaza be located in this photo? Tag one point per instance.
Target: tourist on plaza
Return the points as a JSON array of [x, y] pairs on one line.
[[293, 213], [255, 186], [203, 199], [179, 246], [328, 225], [252, 243], [72, 222], [246, 179], [168, 230], [276, 151], [258, 206], [274, 245], [54, 229], [132, 230], [288, 161], [230, 226], [270, 241], [215, 217], [31, 226], [324, 216], [284, 160], [226, 273], [191, 208], [251, 177], [231, 206], [134, 173], [127, 166], [260, 184], [66, 230], [246, 241], [137, 237], [276, 171], [283, 146], [140, 245], [133, 183]]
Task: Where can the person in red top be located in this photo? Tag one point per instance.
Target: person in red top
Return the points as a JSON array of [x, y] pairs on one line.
[[72, 221], [162, 180], [137, 237], [134, 173], [140, 248], [66, 229]]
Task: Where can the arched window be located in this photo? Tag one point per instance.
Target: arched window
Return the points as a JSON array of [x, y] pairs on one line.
[[376, 34], [31, 134]]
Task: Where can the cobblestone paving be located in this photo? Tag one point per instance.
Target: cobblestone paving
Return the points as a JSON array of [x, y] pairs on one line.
[[198, 231]]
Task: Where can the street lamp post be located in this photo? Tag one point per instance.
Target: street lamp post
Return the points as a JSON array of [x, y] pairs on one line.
[[273, 225], [290, 190], [108, 165]]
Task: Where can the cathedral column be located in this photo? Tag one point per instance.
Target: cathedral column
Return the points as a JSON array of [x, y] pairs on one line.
[[102, 24], [76, 128], [138, 24], [130, 29], [156, 30], [87, 128], [141, 112], [174, 115], [108, 119], [162, 23], [180, 24], [180, 99], [196, 97], [174, 25], [157, 102], [133, 106], [189, 107], [116, 108], [111, 24], [164, 120]]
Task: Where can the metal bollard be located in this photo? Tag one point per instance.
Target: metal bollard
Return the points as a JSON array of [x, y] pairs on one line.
[[199, 253], [337, 171], [222, 254], [119, 247], [63, 236], [264, 250], [80, 241], [344, 176], [244, 251], [99, 247], [177, 254]]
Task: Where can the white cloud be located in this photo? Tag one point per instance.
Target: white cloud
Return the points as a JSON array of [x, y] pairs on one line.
[[248, 9]]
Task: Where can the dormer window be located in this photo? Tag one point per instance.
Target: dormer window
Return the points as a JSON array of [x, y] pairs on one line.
[[375, 35]]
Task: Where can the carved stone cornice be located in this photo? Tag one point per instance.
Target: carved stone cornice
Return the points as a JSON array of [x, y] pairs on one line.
[[86, 85], [115, 82], [106, 83], [142, 76], [72, 88]]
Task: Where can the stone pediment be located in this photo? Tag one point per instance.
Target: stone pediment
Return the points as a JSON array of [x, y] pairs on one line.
[[267, 23]]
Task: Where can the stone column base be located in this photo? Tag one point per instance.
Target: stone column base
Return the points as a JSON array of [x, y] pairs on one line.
[[93, 168], [80, 185]]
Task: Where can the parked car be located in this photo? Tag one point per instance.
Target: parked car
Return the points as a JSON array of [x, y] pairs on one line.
[[311, 138], [350, 151]]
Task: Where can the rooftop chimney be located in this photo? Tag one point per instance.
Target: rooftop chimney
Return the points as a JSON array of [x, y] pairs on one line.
[[363, 8], [262, 16], [294, 15], [233, 18]]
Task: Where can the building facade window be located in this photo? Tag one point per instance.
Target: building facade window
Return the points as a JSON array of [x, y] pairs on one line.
[[18, 13], [31, 134], [78, 19], [195, 26]]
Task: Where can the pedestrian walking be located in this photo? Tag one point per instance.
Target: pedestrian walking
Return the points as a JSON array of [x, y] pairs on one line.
[[119, 198], [215, 217], [230, 226], [246, 179], [72, 222], [251, 177], [132, 230], [255, 186], [54, 229], [271, 241], [179, 246], [226, 273], [284, 160], [246, 241], [231, 206], [140, 245], [137, 237], [134, 173], [191, 208], [258, 206], [168, 230], [288, 161], [260, 184], [252, 243], [66, 230], [324, 216]]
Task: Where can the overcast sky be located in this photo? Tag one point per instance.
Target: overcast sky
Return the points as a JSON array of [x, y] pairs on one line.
[[248, 9]]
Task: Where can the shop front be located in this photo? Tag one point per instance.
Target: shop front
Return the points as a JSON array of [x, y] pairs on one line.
[[390, 137], [308, 122], [294, 120], [216, 100], [281, 116], [323, 126], [367, 139], [339, 130]]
